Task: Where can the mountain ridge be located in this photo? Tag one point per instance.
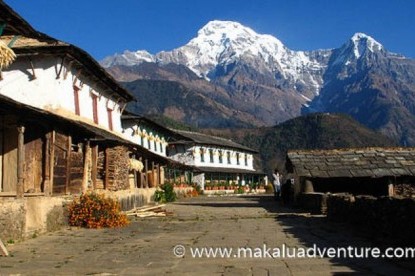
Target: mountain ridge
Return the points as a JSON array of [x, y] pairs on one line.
[[259, 76]]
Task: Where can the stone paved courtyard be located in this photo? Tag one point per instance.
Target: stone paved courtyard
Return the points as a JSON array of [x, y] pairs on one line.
[[145, 247]]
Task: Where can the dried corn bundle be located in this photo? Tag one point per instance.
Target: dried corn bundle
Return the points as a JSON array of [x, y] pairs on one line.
[[7, 56]]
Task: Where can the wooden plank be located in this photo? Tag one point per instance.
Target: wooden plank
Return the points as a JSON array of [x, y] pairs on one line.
[[10, 160], [145, 209], [3, 249]]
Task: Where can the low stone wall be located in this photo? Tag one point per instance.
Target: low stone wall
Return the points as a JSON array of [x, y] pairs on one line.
[[315, 203], [132, 198], [26, 217], [386, 218]]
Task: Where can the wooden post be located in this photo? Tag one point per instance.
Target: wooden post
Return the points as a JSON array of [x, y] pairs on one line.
[[153, 175], [391, 190], [146, 172], [308, 186], [106, 168], [52, 161], [87, 161], [158, 175], [94, 169], [20, 161], [46, 169], [68, 165]]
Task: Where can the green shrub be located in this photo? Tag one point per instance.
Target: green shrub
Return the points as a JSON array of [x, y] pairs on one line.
[[166, 194]]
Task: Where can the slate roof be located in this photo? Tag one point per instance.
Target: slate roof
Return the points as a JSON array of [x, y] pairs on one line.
[[187, 137], [363, 162]]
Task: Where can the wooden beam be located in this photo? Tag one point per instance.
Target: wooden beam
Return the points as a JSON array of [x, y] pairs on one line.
[[20, 161], [106, 168], [68, 164], [153, 174], [52, 161], [94, 167], [87, 161], [146, 172], [46, 168]]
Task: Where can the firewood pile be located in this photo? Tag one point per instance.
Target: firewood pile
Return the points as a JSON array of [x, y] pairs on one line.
[[405, 190]]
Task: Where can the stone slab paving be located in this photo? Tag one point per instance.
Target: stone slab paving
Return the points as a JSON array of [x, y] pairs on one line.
[[145, 247]]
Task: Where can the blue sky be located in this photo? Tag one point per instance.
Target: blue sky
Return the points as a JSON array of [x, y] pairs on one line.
[[108, 26]]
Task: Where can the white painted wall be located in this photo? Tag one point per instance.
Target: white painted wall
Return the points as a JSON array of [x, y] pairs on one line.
[[192, 156], [54, 94], [136, 133]]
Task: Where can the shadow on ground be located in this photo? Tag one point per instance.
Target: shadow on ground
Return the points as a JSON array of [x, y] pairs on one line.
[[316, 231]]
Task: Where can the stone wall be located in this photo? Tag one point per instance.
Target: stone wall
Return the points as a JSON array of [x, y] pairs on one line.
[[315, 203], [12, 219], [385, 218], [25, 217]]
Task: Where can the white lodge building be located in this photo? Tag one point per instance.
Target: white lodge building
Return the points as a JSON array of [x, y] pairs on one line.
[[146, 133], [216, 160]]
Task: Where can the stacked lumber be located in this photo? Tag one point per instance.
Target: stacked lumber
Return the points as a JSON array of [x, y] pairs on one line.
[[149, 211]]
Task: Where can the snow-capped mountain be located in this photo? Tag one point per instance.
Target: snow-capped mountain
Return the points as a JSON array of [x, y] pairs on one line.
[[220, 44], [256, 78]]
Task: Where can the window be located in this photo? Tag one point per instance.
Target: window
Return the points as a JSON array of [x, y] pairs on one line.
[[202, 155], [95, 108], [246, 159], [109, 112], [76, 100], [142, 139], [211, 155], [220, 157], [228, 156], [161, 148], [155, 145], [237, 158], [148, 143]]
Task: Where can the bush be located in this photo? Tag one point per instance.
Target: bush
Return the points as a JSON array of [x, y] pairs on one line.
[[166, 194], [96, 211]]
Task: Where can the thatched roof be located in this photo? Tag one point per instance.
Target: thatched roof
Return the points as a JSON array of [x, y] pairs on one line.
[[364, 162], [189, 137]]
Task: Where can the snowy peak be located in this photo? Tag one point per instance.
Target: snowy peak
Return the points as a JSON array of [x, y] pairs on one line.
[[362, 42], [224, 42], [355, 48], [128, 58]]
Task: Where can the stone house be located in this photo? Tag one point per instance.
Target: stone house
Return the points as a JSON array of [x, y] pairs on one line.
[[364, 171], [61, 132]]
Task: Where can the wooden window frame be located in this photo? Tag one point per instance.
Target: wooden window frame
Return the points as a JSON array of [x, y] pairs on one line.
[[76, 100], [95, 108], [110, 125]]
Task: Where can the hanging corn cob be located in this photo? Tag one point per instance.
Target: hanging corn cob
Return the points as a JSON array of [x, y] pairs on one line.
[[7, 56]]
